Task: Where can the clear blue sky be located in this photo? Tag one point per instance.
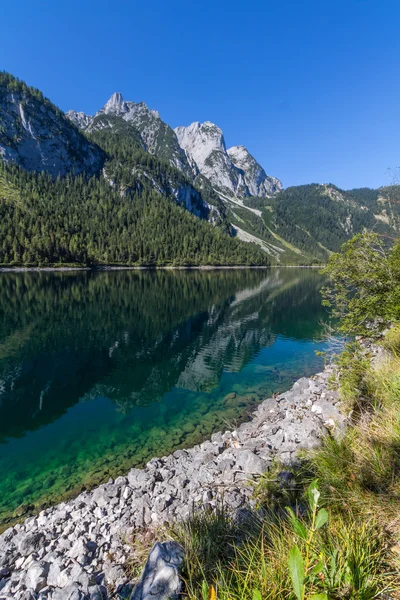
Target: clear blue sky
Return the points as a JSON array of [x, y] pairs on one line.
[[312, 88]]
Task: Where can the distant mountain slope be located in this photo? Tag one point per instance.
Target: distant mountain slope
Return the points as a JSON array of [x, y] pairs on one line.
[[315, 220], [35, 134]]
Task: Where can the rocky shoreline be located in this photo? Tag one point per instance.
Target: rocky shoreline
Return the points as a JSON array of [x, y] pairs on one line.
[[77, 550]]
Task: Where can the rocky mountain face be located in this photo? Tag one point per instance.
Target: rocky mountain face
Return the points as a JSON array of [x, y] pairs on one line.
[[256, 181], [158, 137], [79, 119], [198, 149], [204, 145], [35, 134], [234, 172]]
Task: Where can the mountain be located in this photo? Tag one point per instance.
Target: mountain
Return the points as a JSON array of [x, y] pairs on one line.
[[198, 149], [100, 198], [125, 188], [307, 223], [299, 225], [233, 172], [257, 182], [223, 177], [158, 137], [37, 136]]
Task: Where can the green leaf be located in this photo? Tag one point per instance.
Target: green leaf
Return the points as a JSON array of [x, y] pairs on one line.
[[317, 568], [322, 518], [322, 596], [297, 525], [313, 494], [204, 590], [256, 594], [296, 571]]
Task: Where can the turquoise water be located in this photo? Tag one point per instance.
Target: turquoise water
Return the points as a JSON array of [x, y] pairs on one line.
[[102, 371]]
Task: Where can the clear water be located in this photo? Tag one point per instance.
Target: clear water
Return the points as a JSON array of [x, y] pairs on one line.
[[102, 371]]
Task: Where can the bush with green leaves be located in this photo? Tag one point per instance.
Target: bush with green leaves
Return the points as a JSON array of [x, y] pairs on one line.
[[364, 290]]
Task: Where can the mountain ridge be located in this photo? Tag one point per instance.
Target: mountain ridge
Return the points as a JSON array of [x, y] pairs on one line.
[[197, 149], [126, 154]]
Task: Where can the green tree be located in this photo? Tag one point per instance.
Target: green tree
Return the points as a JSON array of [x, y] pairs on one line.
[[364, 290]]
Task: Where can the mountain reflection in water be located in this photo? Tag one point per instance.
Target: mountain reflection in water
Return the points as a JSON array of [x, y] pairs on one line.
[[93, 366]]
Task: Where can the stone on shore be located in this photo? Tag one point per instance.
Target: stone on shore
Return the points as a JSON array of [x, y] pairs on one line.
[[160, 578]]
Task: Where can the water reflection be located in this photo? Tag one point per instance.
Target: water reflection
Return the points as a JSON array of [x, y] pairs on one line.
[[119, 342], [132, 336]]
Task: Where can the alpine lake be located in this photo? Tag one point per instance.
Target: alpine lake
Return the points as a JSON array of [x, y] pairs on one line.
[[101, 371]]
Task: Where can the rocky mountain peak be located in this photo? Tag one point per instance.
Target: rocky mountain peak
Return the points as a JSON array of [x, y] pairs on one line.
[[80, 119], [200, 139], [256, 181], [235, 171], [115, 105]]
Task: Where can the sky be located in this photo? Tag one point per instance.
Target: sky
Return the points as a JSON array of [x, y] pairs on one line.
[[310, 87]]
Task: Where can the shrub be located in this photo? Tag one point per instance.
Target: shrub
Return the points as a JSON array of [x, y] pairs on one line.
[[364, 290]]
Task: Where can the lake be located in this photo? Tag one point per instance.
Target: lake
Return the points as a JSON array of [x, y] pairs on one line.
[[101, 371]]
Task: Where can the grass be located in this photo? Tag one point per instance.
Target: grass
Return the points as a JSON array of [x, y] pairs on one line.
[[250, 561], [361, 473]]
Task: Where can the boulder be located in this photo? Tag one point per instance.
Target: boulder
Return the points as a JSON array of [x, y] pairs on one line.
[[36, 576], [160, 578], [31, 543], [71, 592]]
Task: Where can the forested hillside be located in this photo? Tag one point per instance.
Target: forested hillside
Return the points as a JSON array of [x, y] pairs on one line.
[[309, 222], [89, 222]]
